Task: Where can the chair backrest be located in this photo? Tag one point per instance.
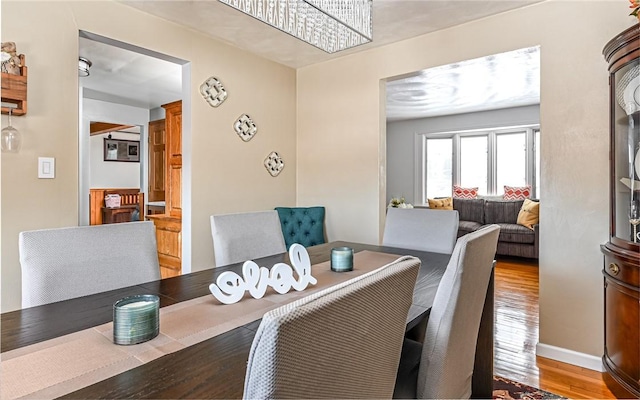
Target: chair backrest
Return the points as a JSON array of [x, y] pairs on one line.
[[448, 352], [421, 229], [342, 342], [245, 236], [303, 225], [64, 263]]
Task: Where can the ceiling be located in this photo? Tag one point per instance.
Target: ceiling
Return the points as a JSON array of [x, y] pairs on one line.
[[392, 21], [127, 77], [502, 80]]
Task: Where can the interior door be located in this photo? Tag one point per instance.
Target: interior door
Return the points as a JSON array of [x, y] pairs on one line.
[[156, 160]]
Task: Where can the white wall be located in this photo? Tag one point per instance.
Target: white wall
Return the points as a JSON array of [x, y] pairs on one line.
[[401, 143], [342, 155], [112, 174], [156, 114]]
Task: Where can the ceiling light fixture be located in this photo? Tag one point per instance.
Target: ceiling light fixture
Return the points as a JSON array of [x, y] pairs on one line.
[[83, 66], [330, 25]]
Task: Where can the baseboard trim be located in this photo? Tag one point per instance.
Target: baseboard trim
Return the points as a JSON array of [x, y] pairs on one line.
[[569, 356]]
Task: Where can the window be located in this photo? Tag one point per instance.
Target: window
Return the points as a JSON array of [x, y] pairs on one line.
[[439, 166], [488, 159], [511, 160], [473, 162]]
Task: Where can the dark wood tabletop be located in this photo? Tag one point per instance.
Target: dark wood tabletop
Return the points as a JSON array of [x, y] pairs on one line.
[[216, 367]]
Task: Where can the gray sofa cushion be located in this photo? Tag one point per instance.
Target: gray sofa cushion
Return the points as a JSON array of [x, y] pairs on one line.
[[517, 249], [465, 227], [470, 209], [501, 212], [514, 233]]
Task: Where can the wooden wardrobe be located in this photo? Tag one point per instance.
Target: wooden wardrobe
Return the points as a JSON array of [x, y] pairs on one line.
[[169, 224]]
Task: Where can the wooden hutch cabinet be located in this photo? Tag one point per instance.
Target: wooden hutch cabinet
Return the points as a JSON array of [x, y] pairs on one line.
[[169, 224], [621, 357]]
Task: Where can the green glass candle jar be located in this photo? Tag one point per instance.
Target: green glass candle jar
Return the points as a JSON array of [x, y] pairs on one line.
[[136, 319], [342, 259]]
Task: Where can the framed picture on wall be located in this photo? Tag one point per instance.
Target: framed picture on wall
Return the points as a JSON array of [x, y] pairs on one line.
[[121, 150]]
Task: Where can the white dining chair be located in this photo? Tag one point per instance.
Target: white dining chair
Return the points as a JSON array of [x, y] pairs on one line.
[[421, 229], [342, 342], [245, 236], [64, 263], [442, 367]]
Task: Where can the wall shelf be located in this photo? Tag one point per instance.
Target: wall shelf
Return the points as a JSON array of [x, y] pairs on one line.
[[14, 90]]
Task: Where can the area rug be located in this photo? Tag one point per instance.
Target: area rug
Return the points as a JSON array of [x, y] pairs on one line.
[[504, 388]]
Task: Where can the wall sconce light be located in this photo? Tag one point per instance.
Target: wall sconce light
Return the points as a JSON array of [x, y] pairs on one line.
[[83, 66], [11, 138]]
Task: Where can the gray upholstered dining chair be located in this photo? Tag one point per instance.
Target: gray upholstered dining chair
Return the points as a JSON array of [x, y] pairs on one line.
[[245, 236], [64, 263], [342, 342], [421, 229], [442, 367]]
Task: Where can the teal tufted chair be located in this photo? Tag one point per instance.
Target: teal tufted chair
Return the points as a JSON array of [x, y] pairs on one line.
[[304, 225]]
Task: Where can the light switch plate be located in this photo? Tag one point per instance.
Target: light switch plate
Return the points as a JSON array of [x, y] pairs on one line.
[[46, 167]]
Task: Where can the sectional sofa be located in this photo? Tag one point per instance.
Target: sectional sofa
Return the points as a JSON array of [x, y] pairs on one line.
[[514, 240]]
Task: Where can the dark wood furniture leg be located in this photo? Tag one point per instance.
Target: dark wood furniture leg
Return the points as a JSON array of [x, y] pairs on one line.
[[482, 380]]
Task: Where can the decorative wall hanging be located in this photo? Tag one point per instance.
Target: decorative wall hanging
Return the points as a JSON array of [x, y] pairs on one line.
[[245, 127], [14, 80], [230, 287], [11, 61], [274, 163], [213, 91], [121, 150]]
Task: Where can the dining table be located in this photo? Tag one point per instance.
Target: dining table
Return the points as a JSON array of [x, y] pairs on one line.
[[216, 367]]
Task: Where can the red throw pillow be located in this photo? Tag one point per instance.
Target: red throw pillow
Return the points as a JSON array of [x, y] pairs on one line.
[[516, 193], [464, 193]]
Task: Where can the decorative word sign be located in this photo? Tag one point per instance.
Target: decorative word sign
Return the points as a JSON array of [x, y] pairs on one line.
[[230, 287]]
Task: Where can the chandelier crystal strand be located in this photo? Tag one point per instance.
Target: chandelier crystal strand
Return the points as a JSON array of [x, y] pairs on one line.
[[353, 14], [331, 25]]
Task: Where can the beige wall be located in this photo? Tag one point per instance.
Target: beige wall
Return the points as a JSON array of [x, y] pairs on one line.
[[228, 174], [340, 134], [341, 147]]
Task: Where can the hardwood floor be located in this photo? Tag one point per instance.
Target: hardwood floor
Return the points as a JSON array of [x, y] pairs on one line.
[[516, 335]]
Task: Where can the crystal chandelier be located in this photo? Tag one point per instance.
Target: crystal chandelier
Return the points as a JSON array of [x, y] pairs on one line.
[[330, 25]]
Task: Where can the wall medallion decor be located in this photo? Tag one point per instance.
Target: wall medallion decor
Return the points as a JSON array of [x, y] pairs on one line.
[[274, 163], [245, 127], [230, 287], [213, 91]]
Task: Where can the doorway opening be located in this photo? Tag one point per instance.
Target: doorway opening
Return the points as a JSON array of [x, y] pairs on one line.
[[474, 123], [122, 91]]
